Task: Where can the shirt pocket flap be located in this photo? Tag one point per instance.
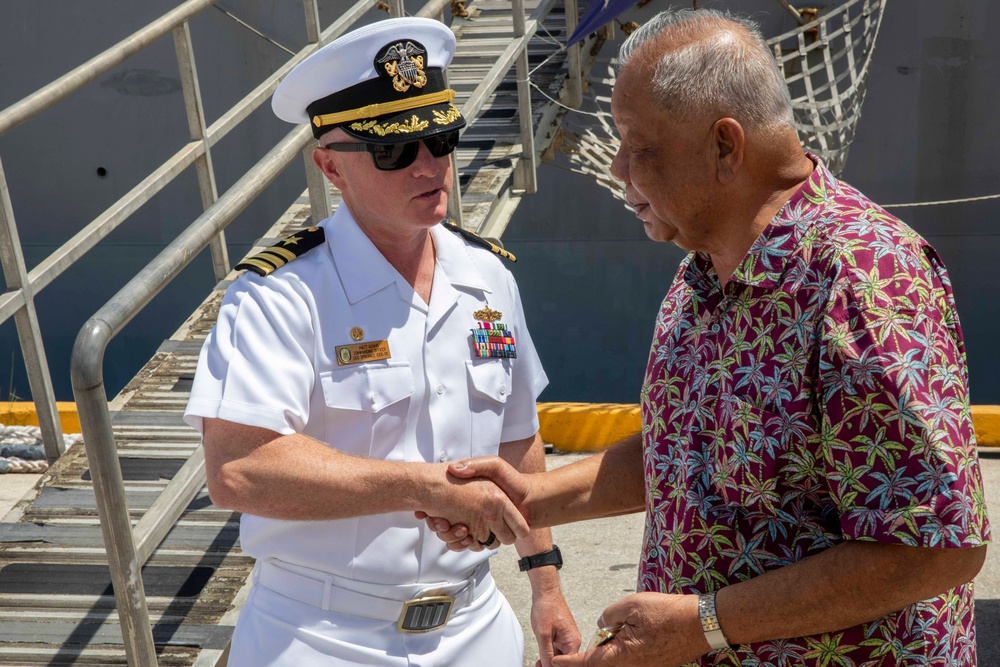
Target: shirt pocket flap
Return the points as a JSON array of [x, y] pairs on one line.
[[369, 389], [490, 379]]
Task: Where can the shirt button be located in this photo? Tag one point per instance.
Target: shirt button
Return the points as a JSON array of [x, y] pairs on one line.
[[443, 457], [503, 389], [440, 390], [372, 396], [715, 328]]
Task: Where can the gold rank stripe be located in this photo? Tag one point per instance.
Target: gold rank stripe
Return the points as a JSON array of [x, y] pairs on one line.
[[286, 254], [262, 265], [384, 108], [268, 256], [279, 254], [506, 254]]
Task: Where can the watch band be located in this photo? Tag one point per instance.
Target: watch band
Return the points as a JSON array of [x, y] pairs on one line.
[[710, 623], [551, 557]]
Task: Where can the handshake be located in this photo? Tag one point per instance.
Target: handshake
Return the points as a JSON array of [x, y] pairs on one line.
[[481, 503]]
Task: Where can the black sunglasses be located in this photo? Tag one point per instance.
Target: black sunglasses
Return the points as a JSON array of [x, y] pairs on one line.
[[389, 157]]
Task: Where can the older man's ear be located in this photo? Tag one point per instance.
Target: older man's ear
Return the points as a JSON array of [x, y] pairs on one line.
[[730, 142]]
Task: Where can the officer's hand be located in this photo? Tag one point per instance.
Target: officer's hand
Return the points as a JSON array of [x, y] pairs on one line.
[[658, 630], [478, 505], [456, 538], [553, 625]]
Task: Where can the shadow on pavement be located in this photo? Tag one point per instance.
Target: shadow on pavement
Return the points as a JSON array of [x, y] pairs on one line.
[[988, 631]]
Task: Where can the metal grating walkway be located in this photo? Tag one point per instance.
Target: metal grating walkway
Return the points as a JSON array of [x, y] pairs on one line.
[[56, 601]]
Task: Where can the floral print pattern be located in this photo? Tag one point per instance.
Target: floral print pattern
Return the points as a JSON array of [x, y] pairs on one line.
[[821, 396]]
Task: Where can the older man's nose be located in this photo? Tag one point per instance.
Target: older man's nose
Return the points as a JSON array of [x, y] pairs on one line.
[[619, 166]]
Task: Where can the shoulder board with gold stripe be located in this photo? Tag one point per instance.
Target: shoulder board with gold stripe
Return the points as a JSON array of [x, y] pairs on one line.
[[283, 252], [478, 240]]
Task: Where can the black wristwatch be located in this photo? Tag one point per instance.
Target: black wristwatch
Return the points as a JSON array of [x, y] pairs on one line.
[[551, 557]]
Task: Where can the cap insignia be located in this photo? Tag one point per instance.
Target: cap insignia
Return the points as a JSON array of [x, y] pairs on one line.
[[404, 63], [449, 116], [373, 127]]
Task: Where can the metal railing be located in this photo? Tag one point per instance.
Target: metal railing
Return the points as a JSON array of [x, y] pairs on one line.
[[129, 548]]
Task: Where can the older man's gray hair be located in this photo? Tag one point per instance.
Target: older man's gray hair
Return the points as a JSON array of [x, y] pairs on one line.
[[713, 63]]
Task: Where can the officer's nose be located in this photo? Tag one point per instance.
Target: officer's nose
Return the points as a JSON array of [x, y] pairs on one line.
[[425, 164]]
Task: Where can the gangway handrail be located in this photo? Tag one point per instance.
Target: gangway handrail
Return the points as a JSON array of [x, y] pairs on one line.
[[23, 285], [100, 64], [129, 548]]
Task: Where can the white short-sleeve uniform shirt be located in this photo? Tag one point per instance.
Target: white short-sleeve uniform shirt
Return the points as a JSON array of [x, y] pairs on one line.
[[270, 362]]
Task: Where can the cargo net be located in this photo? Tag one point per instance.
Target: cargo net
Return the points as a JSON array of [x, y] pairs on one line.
[[825, 62]]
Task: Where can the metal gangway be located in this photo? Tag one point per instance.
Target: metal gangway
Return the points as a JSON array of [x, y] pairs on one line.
[[119, 557]]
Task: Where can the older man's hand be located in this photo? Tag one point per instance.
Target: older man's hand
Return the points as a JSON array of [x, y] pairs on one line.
[[461, 535], [658, 630]]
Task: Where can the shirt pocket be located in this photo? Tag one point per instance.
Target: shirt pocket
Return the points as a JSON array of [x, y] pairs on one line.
[[746, 458], [489, 388], [366, 408]]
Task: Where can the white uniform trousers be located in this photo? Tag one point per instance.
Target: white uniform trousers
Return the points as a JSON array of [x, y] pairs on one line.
[[277, 631]]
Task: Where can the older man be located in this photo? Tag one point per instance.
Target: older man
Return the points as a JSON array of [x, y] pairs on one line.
[[346, 369], [807, 461]]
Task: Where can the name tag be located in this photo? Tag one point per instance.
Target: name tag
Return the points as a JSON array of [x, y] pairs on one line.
[[358, 353]]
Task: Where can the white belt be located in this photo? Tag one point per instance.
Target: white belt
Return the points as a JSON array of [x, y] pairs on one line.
[[420, 607]]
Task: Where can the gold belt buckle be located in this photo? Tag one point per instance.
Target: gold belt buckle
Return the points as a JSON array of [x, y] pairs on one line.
[[425, 613]]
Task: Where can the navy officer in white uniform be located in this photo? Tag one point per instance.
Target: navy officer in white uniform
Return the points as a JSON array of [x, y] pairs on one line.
[[350, 364]]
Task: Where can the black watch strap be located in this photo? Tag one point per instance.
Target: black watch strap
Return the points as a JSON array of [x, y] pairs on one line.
[[551, 557]]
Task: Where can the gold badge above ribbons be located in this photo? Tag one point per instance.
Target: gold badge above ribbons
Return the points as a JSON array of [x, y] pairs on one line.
[[487, 314], [359, 353]]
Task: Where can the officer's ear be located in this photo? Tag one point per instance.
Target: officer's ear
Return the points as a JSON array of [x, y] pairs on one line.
[[326, 161]]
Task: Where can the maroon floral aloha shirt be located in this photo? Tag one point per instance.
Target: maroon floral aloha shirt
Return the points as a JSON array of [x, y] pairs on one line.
[[822, 396]]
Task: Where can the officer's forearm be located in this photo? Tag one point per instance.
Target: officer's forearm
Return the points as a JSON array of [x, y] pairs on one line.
[[528, 456], [260, 472]]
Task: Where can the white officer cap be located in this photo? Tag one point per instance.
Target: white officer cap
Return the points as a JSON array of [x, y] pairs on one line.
[[382, 83]]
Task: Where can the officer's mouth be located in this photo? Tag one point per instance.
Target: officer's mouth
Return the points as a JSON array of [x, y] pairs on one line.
[[430, 194]]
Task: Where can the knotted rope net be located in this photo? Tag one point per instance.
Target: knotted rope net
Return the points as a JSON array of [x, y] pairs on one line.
[[825, 63]]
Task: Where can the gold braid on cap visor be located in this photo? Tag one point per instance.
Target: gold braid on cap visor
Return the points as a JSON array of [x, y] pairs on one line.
[[384, 108]]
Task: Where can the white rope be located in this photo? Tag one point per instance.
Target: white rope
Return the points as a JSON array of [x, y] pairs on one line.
[[254, 30], [944, 201], [14, 464], [558, 103]]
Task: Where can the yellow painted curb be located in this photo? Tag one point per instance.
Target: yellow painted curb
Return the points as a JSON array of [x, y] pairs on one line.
[[23, 414], [571, 427], [986, 420], [591, 427], [587, 427]]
